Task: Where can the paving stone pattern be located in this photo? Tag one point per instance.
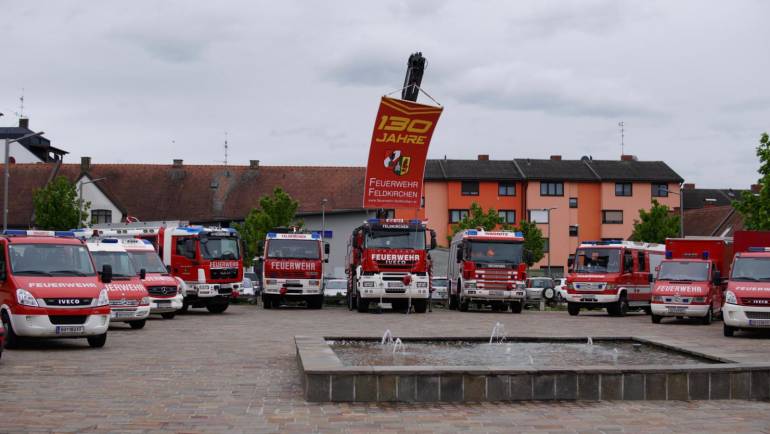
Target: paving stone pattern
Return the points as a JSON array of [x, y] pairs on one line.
[[237, 372]]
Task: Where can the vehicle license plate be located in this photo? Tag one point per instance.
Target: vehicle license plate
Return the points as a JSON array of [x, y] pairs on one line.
[[69, 330], [676, 308], [395, 285], [163, 303], [497, 293], [759, 322], [122, 314], [588, 299]]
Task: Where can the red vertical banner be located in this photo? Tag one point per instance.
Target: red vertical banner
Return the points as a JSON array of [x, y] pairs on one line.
[[394, 173]]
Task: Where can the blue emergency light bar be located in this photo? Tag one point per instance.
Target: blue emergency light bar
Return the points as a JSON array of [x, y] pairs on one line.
[[271, 235], [109, 240], [472, 232], [36, 233], [669, 254], [315, 236], [602, 242], [373, 220], [705, 255]]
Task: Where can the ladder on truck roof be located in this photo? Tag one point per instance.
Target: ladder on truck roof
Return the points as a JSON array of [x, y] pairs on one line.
[[141, 225]]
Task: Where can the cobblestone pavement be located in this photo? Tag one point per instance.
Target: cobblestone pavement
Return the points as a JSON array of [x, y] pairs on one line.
[[237, 372]]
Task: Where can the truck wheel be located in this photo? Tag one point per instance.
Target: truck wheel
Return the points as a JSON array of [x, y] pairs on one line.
[[656, 319], [464, 305], [728, 331], [573, 309], [184, 308], [452, 302], [619, 308], [217, 307], [647, 310], [516, 306], [168, 315], [136, 325], [420, 306], [12, 340], [362, 305], [351, 301], [316, 302], [266, 302], [97, 341], [706, 320]]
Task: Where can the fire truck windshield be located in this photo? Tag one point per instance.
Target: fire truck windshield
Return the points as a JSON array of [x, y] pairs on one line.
[[395, 239], [684, 270], [121, 263], [149, 261], [293, 249], [495, 252], [50, 260], [220, 248], [597, 261], [751, 269]]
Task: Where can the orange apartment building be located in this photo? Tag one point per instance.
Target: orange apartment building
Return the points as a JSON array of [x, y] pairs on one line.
[[588, 199]]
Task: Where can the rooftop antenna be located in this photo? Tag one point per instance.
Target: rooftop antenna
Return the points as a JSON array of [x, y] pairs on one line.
[[621, 124], [20, 114], [225, 148]]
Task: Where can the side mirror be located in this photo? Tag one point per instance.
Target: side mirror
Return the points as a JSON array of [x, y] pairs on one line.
[[433, 243], [459, 254], [106, 273], [570, 261], [717, 278], [168, 268], [260, 259], [326, 248], [142, 274], [650, 277]]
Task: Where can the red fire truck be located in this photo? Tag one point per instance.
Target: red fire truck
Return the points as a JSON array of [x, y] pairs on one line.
[[486, 268], [747, 299], [208, 260], [293, 269], [388, 263], [689, 281], [614, 274]]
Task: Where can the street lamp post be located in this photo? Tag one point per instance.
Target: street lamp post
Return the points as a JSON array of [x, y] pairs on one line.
[[681, 207], [548, 216], [323, 218], [80, 197], [7, 174]]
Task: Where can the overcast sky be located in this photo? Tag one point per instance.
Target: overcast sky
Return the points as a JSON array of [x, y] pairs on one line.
[[299, 82]]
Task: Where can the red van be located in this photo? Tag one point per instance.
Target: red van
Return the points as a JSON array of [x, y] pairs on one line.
[[49, 288]]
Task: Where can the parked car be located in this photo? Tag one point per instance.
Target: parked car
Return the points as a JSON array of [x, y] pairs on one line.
[[256, 283], [336, 290], [439, 288], [539, 288], [561, 289], [246, 293]]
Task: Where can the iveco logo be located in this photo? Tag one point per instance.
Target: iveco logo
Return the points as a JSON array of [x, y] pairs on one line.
[[69, 301]]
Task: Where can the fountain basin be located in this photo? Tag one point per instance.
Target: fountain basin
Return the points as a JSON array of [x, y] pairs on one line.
[[328, 377]]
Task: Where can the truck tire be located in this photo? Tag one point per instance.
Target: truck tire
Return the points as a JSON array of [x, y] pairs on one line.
[[217, 307], [12, 340], [647, 310], [452, 302], [351, 301], [362, 305], [139, 324], [728, 331], [573, 309], [97, 341], [184, 308], [168, 315], [706, 320], [267, 302], [620, 307], [464, 305], [516, 306], [656, 319], [420, 306], [316, 302]]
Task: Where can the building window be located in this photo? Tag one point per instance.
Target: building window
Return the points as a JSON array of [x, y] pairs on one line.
[[659, 190], [551, 189], [470, 188], [538, 216], [642, 262], [573, 202], [507, 216], [612, 217], [546, 245], [506, 189], [573, 230], [101, 216], [624, 189], [456, 215]]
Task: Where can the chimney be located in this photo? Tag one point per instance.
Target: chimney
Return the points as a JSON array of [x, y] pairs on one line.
[[24, 123], [688, 186], [483, 157], [628, 158], [756, 188], [177, 163], [85, 164], [556, 157], [254, 164]]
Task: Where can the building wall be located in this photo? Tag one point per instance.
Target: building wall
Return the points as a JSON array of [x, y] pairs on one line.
[[341, 225], [91, 193], [630, 205], [21, 154], [561, 244]]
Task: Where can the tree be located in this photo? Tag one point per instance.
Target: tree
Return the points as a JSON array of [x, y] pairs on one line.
[[56, 206], [477, 218], [755, 208], [274, 211], [534, 243], [655, 225]]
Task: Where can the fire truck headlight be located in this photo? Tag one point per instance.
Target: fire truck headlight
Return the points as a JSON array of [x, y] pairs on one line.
[[731, 298], [470, 285], [103, 299], [25, 298], [520, 286], [699, 300], [270, 281], [422, 284], [145, 300], [312, 282], [657, 298], [368, 284], [610, 286]]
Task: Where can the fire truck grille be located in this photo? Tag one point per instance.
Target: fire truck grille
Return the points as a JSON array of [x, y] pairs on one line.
[[758, 315], [755, 301], [225, 290], [292, 275], [124, 302], [162, 291], [67, 319], [224, 273], [487, 284], [68, 302], [588, 286]]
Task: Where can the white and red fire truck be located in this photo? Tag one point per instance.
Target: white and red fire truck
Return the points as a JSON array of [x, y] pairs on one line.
[[207, 260], [49, 288], [293, 269], [689, 281], [129, 300], [616, 275], [747, 299], [163, 288], [388, 263], [486, 268]]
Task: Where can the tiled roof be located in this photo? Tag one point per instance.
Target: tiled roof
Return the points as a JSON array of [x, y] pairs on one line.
[[196, 192], [649, 171], [556, 170], [696, 198], [713, 221], [502, 170]]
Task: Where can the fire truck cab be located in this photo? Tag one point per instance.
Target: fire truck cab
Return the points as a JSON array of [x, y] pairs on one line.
[[388, 263], [293, 269], [486, 268], [49, 288], [689, 281], [163, 288], [616, 275], [747, 299]]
